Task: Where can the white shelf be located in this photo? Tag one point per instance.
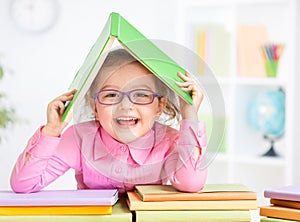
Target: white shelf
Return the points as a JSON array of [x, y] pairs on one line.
[[261, 82], [257, 160], [260, 161], [244, 145], [242, 81]]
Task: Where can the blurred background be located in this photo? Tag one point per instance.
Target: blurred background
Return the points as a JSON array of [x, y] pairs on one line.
[[44, 42], [41, 51]]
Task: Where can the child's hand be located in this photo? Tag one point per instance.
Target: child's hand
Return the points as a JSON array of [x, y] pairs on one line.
[[55, 110], [190, 111]]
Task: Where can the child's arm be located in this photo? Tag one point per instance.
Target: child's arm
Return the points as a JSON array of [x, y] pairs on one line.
[[190, 111], [33, 166], [55, 110], [45, 159], [186, 164], [38, 166]]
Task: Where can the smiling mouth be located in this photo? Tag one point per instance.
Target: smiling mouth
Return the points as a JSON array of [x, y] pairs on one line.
[[127, 121]]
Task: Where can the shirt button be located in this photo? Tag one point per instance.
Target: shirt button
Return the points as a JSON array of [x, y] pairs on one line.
[[123, 148], [118, 170]]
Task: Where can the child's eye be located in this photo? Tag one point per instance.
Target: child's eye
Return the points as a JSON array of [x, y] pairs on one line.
[[109, 95], [141, 94]]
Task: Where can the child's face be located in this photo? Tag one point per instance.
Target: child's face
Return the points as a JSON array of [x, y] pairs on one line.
[[126, 121]]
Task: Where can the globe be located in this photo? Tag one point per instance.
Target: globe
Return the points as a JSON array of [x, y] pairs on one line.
[[267, 115]]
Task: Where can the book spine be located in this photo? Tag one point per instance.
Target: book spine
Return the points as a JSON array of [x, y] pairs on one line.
[[282, 196], [280, 212], [115, 24], [66, 202], [177, 216], [286, 203], [204, 197], [195, 205], [55, 210]]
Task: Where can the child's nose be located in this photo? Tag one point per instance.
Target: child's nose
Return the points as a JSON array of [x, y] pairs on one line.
[[126, 103]]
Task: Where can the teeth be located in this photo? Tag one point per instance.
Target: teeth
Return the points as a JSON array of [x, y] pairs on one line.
[[126, 118]]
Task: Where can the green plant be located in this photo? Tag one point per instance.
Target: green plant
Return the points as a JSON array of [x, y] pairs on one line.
[[7, 114]]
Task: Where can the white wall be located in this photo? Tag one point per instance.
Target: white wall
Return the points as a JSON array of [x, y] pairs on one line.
[[41, 67], [296, 116]]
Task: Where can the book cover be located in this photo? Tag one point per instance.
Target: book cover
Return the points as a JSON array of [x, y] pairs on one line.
[[286, 203], [120, 213], [135, 203], [55, 210], [250, 58], [152, 57], [270, 219], [60, 198], [280, 212], [213, 45], [210, 192], [291, 192], [203, 215]]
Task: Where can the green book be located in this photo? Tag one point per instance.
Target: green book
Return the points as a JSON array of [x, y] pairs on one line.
[[214, 48], [120, 213], [178, 216], [153, 58]]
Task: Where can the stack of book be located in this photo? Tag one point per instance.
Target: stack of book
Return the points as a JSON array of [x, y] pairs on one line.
[[64, 205], [216, 202], [284, 204]]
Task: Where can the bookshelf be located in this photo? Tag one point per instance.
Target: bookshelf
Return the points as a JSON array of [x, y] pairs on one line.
[[241, 160]]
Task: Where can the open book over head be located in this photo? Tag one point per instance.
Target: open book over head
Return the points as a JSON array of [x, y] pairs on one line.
[[144, 50]]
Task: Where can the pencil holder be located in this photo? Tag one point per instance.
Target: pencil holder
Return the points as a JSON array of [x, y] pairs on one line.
[[271, 68]]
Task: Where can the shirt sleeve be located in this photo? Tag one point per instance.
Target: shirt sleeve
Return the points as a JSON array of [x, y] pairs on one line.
[[188, 173], [43, 160]]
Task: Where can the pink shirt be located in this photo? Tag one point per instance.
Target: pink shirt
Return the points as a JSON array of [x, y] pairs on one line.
[[101, 162]]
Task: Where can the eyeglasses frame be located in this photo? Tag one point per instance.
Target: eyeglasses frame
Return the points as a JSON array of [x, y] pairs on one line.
[[96, 96]]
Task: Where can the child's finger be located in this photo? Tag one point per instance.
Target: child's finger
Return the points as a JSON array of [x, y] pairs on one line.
[[66, 96], [184, 77], [184, 84]]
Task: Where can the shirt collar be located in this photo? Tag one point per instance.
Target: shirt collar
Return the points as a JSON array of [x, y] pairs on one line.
[[139, 149], [92, 146]]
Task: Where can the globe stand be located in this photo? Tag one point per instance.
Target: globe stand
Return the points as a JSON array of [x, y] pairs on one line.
[[271, 152]]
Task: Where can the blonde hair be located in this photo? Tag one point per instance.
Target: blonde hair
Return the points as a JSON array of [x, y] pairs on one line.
[[120, 57]]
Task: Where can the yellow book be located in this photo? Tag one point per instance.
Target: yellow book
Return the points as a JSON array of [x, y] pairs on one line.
[[202, 50], [55, 210], [120, 213]]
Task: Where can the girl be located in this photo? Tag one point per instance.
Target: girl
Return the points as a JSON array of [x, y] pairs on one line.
[[125, 144]]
